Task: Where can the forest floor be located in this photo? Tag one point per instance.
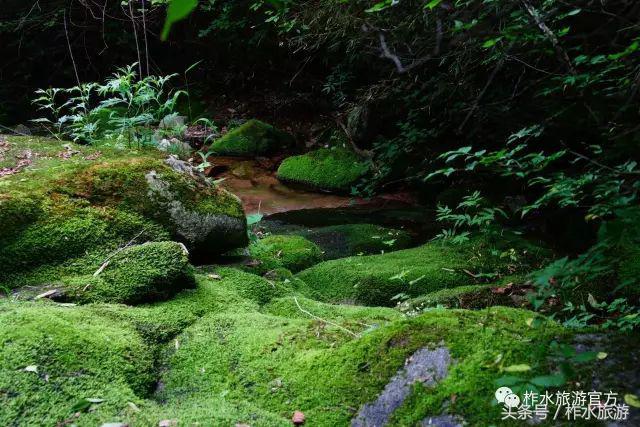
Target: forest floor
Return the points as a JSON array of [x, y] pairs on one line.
[[333, 311]]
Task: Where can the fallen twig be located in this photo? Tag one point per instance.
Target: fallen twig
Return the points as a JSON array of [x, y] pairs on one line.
[[325, 321]]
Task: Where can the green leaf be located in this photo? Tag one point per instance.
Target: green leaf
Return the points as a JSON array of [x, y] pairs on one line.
[[632, 400], [548, 380], [491, 42], [517, 368], [432, 4], [177, 11], [379, 6]]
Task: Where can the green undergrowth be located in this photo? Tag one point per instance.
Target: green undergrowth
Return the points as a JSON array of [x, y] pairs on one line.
[[294, 253], [137, 274], [253, 138], [340, 241], [336, 169], [382, 279]]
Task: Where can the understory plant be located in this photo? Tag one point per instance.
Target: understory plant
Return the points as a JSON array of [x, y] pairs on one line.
[[122, 108]]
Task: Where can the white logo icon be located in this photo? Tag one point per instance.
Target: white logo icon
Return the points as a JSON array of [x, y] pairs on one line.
[[505, 395]]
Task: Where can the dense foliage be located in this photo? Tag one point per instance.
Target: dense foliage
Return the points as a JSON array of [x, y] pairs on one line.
[[531, 103]]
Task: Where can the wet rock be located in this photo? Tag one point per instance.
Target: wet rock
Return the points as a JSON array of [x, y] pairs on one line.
[[424, 366]]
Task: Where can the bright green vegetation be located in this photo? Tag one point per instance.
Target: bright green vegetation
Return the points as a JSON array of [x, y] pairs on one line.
[[77, 210], [141, 273], [340, 241], [377, 279], [469, 296], [53, 358], [294, 253], [277, 363], [251, 139], [336, 169]]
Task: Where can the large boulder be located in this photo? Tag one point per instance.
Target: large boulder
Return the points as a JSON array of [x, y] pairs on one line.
[[66, 201], [334, 170], [251, 139]]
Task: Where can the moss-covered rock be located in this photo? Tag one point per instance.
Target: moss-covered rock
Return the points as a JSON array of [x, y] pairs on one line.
[[253, 138], [206, 218], [294, 253], [57, 361], [336, 169], [280, 364], [140, 273], [73, 201], [470, 297], [341, 241], [377, 279]]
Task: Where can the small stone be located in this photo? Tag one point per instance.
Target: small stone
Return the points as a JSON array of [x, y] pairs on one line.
[[298, 418], [168, 423]]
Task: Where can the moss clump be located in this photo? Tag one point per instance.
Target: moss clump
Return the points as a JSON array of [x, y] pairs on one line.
[[140, 273], [340, 241], [72, 238], [52, 358], [253, 138], [294, 253], [278, 364], [335, 169], [377, 279]]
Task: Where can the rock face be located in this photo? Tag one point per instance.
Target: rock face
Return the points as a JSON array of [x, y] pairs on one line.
[[253, 138], [335, 170], [68, 204], [425, 366]]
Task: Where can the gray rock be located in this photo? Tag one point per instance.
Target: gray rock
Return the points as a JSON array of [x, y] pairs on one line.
[[425, 366], [172, 121], [22, 130]]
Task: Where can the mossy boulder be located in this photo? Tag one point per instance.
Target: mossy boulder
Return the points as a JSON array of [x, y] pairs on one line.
[[279, 364], [137, 274], [70, 201], [251, 139], [206, 218], [57, 361], [294, 253], [341, 241], [335, 170], [377, 279]]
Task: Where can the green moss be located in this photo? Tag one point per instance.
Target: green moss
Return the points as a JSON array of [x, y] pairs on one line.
[[294, 253], [140, 273], [471, 296], [77, 356], [340, 241], [79, 240], [253, 138], [161, 321], [376, 279], [57, 209], [335, 169], [281, 364]]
